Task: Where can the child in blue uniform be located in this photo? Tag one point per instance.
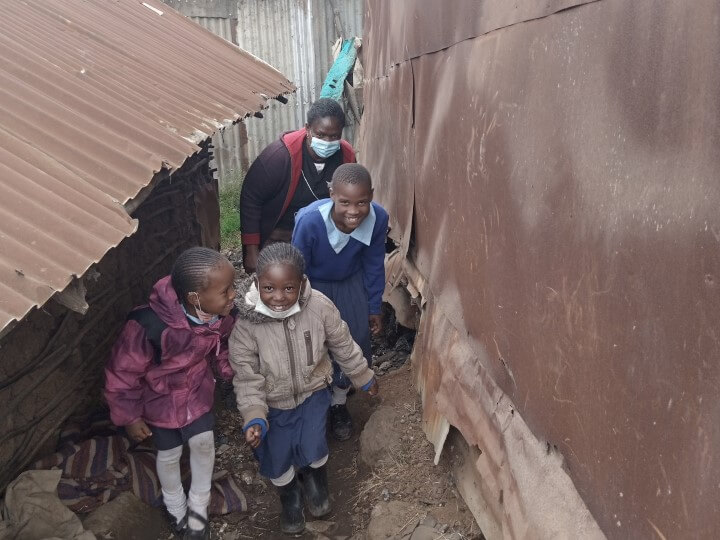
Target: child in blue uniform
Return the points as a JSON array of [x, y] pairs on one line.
[[343, 242]]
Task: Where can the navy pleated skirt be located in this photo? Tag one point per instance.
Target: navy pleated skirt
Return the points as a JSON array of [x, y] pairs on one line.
[[350, 297], [296, 437]]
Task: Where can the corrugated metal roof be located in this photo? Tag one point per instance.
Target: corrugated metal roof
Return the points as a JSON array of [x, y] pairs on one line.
[[96, 96], [230, 155]]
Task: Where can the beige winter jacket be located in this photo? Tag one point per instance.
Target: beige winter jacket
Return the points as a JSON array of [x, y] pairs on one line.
[[279, 363]]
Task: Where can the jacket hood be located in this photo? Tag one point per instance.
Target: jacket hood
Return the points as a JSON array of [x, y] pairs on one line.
[[246, 310], [165, 303]]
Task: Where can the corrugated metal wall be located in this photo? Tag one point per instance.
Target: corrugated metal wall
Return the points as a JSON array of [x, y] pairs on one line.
[[295, 37], [551, 172]]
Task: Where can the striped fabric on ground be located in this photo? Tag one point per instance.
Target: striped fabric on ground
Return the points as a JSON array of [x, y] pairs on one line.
[[98, 463]]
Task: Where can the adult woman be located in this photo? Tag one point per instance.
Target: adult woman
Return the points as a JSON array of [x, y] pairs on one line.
[[289, 174]]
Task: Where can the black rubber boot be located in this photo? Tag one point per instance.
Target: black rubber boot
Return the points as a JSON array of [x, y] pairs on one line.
[[292, 519], [315, 489], [340, 422]]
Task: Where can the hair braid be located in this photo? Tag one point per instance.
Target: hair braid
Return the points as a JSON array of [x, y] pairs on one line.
[[280, 253], [191, 269]]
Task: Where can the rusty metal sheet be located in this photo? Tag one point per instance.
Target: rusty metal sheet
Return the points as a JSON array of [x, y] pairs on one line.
[[393, 28], [95, 98], [564, 177], [392, 149]]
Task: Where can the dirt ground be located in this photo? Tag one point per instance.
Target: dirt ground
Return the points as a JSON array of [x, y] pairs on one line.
[[408, 475]]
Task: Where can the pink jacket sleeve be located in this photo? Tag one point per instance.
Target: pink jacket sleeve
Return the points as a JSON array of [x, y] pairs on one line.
[[130, 359], [223, 362]]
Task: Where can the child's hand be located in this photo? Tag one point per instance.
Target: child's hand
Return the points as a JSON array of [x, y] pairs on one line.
[[253, 436], [375, 324], [138, 431], [374, 388]]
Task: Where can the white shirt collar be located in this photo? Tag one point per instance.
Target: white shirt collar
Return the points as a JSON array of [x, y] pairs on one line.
[[338, 239]]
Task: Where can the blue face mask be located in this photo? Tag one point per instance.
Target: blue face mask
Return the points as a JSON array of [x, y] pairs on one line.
[[324, 149]]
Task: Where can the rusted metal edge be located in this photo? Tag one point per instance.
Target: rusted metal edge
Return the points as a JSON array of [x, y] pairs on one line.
[[524, 488]]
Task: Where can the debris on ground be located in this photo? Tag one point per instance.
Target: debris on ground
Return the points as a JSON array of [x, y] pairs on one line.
[[392, 349]]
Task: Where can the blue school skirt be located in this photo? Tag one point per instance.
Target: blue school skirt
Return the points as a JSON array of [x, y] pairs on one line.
[[350, 297], [295, 437]]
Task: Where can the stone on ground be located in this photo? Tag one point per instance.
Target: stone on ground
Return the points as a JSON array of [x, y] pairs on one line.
[[381, 436], [394, 519], [423, 532], [126, 517]]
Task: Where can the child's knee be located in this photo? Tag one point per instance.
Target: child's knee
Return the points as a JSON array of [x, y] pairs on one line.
[[203, 443], [170, 457]]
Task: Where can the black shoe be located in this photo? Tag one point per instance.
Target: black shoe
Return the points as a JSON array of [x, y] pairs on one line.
[[340, 422], [177, 526], [315, 488], [292, 519], [192, 534]]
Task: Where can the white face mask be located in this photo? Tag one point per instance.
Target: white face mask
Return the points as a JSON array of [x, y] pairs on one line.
[[260, 307]]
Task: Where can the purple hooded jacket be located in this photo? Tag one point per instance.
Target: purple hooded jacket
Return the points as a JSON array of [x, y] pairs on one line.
[[181, 388]]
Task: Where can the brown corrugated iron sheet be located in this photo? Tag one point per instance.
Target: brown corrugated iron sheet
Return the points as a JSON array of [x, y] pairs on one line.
[[97, 96], [553, 179]]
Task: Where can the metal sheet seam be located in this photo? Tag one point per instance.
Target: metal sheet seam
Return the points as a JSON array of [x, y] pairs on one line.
[[491, 30]]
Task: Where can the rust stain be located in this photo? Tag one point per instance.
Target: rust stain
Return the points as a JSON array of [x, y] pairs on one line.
[[554, 186]]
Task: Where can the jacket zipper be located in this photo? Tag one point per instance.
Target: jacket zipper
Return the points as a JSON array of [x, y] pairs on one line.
[[308, 348], [292, 360]]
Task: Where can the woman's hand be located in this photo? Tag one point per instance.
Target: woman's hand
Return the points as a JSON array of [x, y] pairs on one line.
[[253, 436], [375, 324], [250, 257], [138, 431]]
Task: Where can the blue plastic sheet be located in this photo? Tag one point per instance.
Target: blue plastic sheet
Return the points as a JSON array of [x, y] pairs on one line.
[[334, 82]]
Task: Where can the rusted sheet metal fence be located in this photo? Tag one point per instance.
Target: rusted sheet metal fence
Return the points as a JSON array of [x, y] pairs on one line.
[[551, 170], [294, 36]]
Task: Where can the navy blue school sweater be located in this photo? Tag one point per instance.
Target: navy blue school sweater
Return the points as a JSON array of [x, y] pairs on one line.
[[310, 236]]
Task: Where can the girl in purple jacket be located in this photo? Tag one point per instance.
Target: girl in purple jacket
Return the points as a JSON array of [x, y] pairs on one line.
[[160, 381]]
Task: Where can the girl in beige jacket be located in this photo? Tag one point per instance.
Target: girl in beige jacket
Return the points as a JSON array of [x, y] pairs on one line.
[[279, 352]]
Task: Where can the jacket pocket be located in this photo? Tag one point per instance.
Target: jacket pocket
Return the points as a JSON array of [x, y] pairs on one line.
[[309, 348], [314, 374]]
